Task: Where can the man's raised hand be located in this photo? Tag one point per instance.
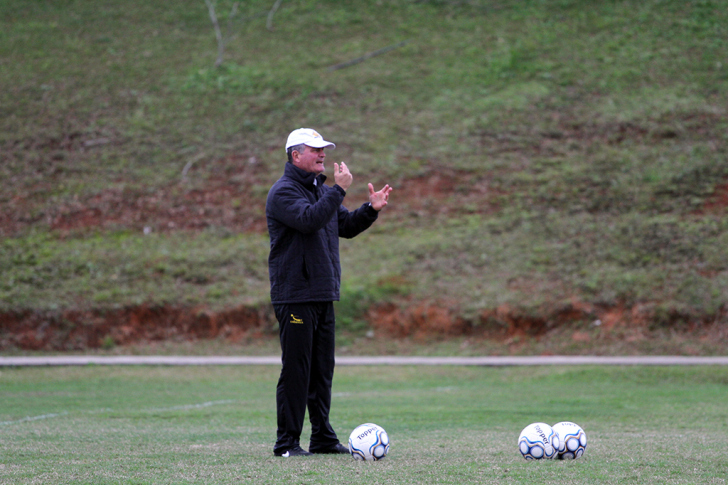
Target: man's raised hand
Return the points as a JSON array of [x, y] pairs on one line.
[[342, 176], [379, 199]]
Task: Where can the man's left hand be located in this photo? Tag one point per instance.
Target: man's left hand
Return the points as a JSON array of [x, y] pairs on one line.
[[379, 199]]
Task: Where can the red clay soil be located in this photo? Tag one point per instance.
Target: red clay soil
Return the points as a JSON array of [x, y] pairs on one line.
[[224, 200], [420, 320], [718, 202], [78, 330]]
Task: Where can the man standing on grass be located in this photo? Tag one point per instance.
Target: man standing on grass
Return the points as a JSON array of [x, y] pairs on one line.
[[305, 220]]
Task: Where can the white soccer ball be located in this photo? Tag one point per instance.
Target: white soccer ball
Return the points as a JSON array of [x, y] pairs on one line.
[[573, 440], [368, 442], [538, 441]]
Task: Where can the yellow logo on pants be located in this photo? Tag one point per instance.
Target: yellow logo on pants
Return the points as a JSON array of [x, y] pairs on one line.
[[295, 319]]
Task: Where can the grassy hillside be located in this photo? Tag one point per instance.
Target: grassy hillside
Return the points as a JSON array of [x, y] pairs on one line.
[[547, 156]]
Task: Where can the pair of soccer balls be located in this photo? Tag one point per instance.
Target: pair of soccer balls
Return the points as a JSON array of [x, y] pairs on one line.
[[563, 441], [368, 442]]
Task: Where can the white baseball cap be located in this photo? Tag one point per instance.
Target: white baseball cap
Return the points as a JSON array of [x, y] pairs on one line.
[[307, 136]]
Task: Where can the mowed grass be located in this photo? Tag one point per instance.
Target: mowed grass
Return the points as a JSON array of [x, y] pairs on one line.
[[136, 425]]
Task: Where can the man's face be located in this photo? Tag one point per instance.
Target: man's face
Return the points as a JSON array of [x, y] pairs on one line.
[[311, 160]]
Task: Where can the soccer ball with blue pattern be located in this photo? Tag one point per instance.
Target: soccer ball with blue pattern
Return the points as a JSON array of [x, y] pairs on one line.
[[538, 441], [573, 440], [368, 442]]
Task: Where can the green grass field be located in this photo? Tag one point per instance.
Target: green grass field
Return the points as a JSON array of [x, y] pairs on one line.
[[144, 425]]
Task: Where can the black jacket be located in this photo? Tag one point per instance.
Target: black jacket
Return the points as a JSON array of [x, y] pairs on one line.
[[305, 220]]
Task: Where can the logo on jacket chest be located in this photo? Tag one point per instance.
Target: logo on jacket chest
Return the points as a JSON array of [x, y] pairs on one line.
[[296, 320]]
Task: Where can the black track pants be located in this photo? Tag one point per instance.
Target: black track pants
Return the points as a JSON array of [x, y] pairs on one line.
[[307, 333]]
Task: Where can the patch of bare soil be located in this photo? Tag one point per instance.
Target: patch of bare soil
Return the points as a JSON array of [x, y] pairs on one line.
[[572, 328], [223, 199], [232, 196], [79, 330], [445, 192], [718, 202], [505, 322]]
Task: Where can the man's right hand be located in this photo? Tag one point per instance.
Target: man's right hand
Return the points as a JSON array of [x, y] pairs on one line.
[[342, 177]]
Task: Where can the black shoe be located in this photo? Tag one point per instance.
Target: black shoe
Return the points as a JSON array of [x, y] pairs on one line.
[[295, 451], [337, 449]]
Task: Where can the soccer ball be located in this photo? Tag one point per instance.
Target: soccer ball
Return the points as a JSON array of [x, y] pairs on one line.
[[537, 441], [573, 440], [368, 442]]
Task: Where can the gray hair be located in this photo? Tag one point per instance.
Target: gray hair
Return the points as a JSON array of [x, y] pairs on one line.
[[295, 148]]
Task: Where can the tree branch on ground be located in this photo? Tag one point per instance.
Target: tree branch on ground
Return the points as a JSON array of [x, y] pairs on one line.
[[273, 10], [221, 40], [444, 2], [369, 55], [189, 164]]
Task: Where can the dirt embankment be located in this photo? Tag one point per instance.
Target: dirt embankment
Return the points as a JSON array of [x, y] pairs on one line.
[[420, 320], [78, 330]]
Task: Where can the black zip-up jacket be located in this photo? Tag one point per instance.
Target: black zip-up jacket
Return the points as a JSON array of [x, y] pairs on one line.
[[305, 220]]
